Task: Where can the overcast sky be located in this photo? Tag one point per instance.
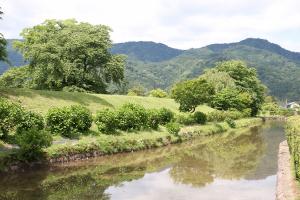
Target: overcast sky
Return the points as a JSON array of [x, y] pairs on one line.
[[178, 23]]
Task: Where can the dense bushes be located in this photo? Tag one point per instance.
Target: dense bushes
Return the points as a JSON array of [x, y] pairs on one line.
[[31, 142], [69, 121], [219, 115], [293, 139], [28, 128], [132, 117], [30, 120], [173, 128], [106, 121], [10, 117], [189, 119]]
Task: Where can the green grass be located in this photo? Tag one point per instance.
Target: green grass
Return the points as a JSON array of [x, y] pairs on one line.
[[41, 100]]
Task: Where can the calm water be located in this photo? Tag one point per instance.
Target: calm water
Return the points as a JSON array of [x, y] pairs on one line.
[[227, 166]]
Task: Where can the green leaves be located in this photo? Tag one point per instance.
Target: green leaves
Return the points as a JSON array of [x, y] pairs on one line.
[[68, 53], [189, 94]]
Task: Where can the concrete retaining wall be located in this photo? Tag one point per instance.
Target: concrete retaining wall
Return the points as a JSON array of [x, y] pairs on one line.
[[286, 183]]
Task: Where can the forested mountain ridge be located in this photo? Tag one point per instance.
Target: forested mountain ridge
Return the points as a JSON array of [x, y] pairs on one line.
[[155, 65]]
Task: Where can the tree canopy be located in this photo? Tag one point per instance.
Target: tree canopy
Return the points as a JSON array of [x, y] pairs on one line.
[[69, 53], [191, 93], [3, 54]]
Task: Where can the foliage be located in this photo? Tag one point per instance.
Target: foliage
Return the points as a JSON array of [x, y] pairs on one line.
[[131, 117], [199, 117], [69, 121], [220, 80], [165, 115], [185, 119], [3, 54], [16, 77], [158, 93], [10, 116], [30, 120], [293, 139], [73, 88], [218, 115], [246, 80], [153, 118], [189, 94], [106, 121], [231, 99], [173, 128], [66, 53], [231, 123], [31, 142], [137, 90]]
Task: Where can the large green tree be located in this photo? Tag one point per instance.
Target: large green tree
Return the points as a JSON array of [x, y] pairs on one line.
[[68, 53], [191, 93], [3, 55], [246, 81]]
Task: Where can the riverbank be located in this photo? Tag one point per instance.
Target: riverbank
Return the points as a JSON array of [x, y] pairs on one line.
[[94, 146]]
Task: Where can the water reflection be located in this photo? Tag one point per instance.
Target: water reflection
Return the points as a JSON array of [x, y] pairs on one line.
[[209, 167]]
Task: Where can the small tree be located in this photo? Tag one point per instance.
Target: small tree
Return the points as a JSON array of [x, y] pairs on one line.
[[3, 54], [158, 93], [189, 94]]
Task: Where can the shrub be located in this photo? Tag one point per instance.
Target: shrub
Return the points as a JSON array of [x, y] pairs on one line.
[[219, 115], [173, 128], [231, 123], [106, 121], [153, 118], [159, 93], [73, 88], [69, 121], [31, 142], [10, 116], [185, 119], [200, 117], [131, 116], [30, 120], [165, 115]]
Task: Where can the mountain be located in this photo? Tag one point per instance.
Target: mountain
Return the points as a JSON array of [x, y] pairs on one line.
[[146, 51], [157, 65], [14, 57]]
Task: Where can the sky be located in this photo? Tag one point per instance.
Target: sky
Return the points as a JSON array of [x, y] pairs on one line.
[[180, 24]]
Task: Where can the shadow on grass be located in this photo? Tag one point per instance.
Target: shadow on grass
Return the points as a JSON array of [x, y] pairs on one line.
[[80, 98]]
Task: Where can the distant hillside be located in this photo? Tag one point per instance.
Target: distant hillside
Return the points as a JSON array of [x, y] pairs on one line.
[[146, 51], [14, 57], [157, 65]]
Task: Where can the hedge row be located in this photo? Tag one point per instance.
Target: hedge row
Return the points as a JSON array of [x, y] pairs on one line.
[[132, 117], [293, 139]]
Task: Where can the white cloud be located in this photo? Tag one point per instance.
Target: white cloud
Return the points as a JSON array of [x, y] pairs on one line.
[[178, 23]]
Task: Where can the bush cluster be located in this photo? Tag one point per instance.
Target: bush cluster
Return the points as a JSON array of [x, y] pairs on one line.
[[132, 117], [28, 127], [69, 121], [219, 115], [173, 128], [190, 119], [293, 139]]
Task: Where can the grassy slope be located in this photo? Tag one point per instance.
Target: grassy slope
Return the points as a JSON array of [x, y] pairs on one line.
[[41, 100]]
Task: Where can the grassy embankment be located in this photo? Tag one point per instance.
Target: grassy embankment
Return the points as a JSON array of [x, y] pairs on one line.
[[41, 101]]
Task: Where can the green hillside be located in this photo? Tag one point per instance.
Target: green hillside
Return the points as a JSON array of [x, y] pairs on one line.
[[155, 65], [41, 100]]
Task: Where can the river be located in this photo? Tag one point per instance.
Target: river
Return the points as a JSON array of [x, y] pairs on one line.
[[234, 165]]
